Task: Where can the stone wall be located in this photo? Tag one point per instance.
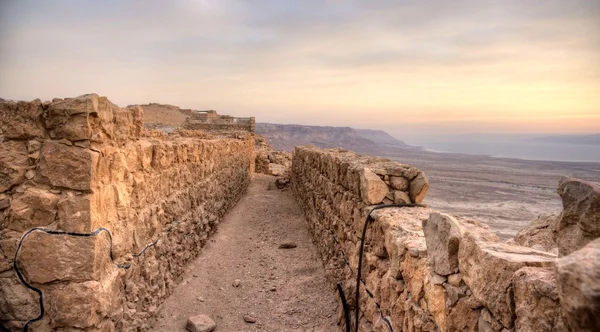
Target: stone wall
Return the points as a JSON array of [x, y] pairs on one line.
[[427, 271], [213, 122], [77, 165]]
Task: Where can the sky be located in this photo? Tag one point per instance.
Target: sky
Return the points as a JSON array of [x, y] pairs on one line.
[[408, 67]]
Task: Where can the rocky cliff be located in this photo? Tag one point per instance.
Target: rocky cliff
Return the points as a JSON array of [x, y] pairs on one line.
[[286, 137]]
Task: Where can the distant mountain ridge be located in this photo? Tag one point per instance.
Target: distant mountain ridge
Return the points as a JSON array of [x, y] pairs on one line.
[[288, 136]]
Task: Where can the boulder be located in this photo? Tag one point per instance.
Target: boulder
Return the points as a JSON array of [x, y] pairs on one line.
[[578, 282], [442, 234], [200, 323], [487, 268], [579, 222], [537, 306], [418, 188], [399, 183], [372, 189], [538, 233]]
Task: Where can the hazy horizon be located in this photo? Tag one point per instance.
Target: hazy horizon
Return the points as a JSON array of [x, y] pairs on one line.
[[408, 68]]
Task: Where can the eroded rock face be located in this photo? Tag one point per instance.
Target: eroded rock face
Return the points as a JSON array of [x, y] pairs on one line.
[[419, 187], [14, 162], [442, 233], [579, 222], [578, 281]]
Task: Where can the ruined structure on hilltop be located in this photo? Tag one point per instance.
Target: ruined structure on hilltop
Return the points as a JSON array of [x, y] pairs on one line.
[[99, 217], [211, 121]]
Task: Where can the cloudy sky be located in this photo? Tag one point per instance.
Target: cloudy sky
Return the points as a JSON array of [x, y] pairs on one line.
[[408, 67]]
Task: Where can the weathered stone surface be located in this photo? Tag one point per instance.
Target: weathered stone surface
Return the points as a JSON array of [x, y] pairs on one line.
[[578, 281], [579, 222], [487, 268], [13, 163], [16, 301], [372, 189], [401, 197], [74, 214], [66, 166], [69, 118], [537, 306], [442, 234], [538, 233], [47, 258], [399, 183], [464, 315], [200, 323], [35, 207], [21, 120], [418, 188]]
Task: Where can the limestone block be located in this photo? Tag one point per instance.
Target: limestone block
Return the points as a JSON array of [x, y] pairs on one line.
[[399, 183], [200, 323], [419, 187], [13, 163], [34, 207], [21, 120], [66, 166], [372, 189], [442, 234], [401, 197], [487, 268], [47, 258], [74, 214], [464, 316], [537, 307], [579, 222], [578, 282], [435, 295], [16, 301], [69, 118]]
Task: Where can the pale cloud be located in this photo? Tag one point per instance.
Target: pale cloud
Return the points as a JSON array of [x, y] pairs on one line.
[[435, 65]]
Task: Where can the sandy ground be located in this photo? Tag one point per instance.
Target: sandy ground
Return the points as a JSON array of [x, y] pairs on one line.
[[283, 289], [504, 193]]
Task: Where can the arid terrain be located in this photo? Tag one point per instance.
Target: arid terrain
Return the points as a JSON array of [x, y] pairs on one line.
[[282, 289], [504, 193]]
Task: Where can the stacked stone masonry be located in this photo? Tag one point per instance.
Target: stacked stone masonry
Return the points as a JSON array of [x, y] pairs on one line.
[[213, 122], [83, 163], [428, 271]]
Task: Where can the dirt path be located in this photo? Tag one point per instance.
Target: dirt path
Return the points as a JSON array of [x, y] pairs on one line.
[[283, 289]]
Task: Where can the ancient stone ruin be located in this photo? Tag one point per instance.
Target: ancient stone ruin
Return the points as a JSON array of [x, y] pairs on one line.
[[211, 121], [99, 218], [427, 271]]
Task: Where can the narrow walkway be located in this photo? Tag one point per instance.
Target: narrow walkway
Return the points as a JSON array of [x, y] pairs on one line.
[[283, 289]]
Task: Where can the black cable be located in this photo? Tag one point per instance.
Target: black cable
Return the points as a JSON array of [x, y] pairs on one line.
[[344, 306], [48, 231], [53, 232], [362, 248]]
